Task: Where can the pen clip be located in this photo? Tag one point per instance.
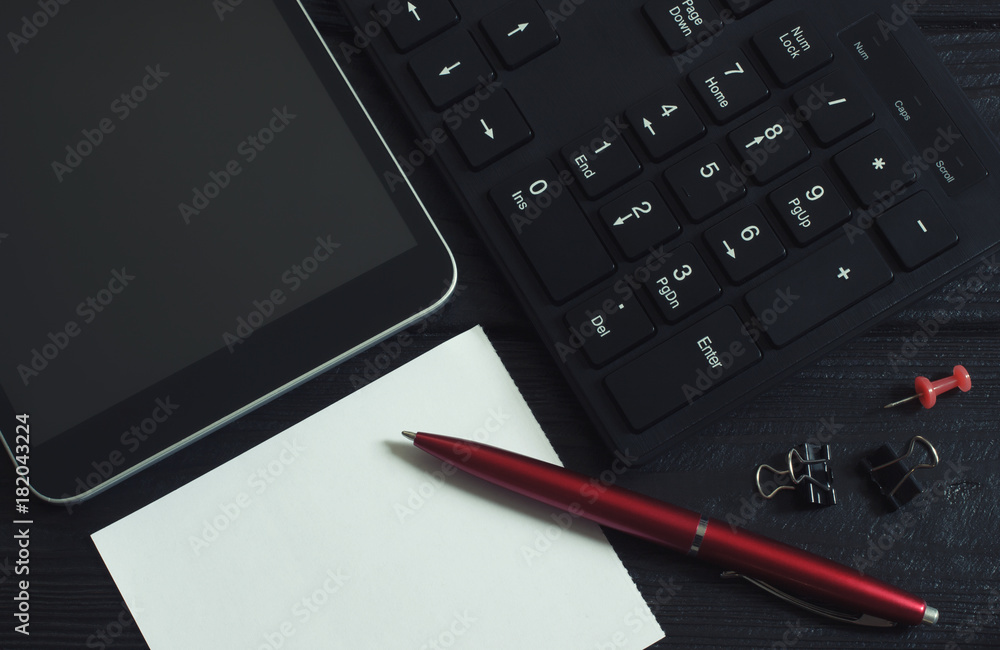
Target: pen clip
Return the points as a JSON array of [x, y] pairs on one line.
[[844, 617]]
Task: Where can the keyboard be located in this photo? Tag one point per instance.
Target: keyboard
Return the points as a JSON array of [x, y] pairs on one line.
[[692, 198]]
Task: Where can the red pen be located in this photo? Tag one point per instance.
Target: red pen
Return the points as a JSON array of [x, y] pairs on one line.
[[774, 566]]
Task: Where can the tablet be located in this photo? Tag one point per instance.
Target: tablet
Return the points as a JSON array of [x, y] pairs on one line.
[[198, 215]]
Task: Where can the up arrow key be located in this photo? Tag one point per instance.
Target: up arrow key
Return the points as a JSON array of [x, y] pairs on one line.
[[412, 8], [520, 28]]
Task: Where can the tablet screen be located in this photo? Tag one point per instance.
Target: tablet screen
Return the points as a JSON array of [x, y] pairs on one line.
[[176, 178]]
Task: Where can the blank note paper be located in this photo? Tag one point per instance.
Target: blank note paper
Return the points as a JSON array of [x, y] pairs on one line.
[[338, 533]]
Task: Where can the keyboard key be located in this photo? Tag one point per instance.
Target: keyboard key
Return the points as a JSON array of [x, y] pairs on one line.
[[451, 68], [519, 32], [745, 244], [639, 220], [552, 230], [705, 183], [917, 231], [876, 169], [743, 7], [769, 145], [683, 23], [490, 132], [601, 160], [411, 23], [914, 104], [810, 206], [833, 107], [729, 86], [684, 368], [792, 49], [685, 284], [665, 122], [811, 292], [606, 326]]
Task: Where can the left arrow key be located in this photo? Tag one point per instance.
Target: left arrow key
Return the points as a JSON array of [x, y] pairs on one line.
[[451, 68]]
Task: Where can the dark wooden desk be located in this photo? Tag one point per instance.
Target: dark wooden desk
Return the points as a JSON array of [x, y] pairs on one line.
[[945, 550]]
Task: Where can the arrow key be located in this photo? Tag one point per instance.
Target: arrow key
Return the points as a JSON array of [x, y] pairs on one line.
[[639, 220], [490, 132], [451, 69], [745, 244], [769, 145], [519, 32], [665, 122], [410, 23]]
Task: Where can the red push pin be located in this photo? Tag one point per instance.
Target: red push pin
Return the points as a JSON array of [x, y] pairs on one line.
[[927, 390]]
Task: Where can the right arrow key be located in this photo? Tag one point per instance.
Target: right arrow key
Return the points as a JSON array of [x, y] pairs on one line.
[[519, 32]]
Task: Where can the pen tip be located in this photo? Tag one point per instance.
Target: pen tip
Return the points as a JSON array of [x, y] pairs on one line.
[[930, 615], [409, 435]]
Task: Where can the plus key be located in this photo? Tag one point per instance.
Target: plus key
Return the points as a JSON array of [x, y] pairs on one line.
[[818, 288]]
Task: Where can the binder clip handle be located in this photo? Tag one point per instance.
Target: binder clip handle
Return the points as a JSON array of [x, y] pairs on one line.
[[814, 459], [894, 476]]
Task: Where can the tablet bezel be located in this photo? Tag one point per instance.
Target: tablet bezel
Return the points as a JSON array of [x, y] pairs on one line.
[[98, 453]]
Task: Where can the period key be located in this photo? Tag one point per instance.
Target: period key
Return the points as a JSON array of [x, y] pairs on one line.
[[606, 326]]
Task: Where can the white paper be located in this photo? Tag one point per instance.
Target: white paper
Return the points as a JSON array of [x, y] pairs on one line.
[[338, 533]]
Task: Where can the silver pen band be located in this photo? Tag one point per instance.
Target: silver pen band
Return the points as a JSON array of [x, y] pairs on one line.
[[699, 535]]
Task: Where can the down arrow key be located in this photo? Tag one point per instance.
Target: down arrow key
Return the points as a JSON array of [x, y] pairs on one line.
[[500, 121]]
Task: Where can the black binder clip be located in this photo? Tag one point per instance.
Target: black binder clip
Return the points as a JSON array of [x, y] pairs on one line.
[[893, 476], [811, 466]]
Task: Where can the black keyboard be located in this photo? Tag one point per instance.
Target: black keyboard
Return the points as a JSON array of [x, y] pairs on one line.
[[693, 198]]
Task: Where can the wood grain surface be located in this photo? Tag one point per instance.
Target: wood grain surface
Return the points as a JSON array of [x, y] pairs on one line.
[[945, 549]]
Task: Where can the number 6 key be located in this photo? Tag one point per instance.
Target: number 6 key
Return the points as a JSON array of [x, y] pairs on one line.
[[745, 244]]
